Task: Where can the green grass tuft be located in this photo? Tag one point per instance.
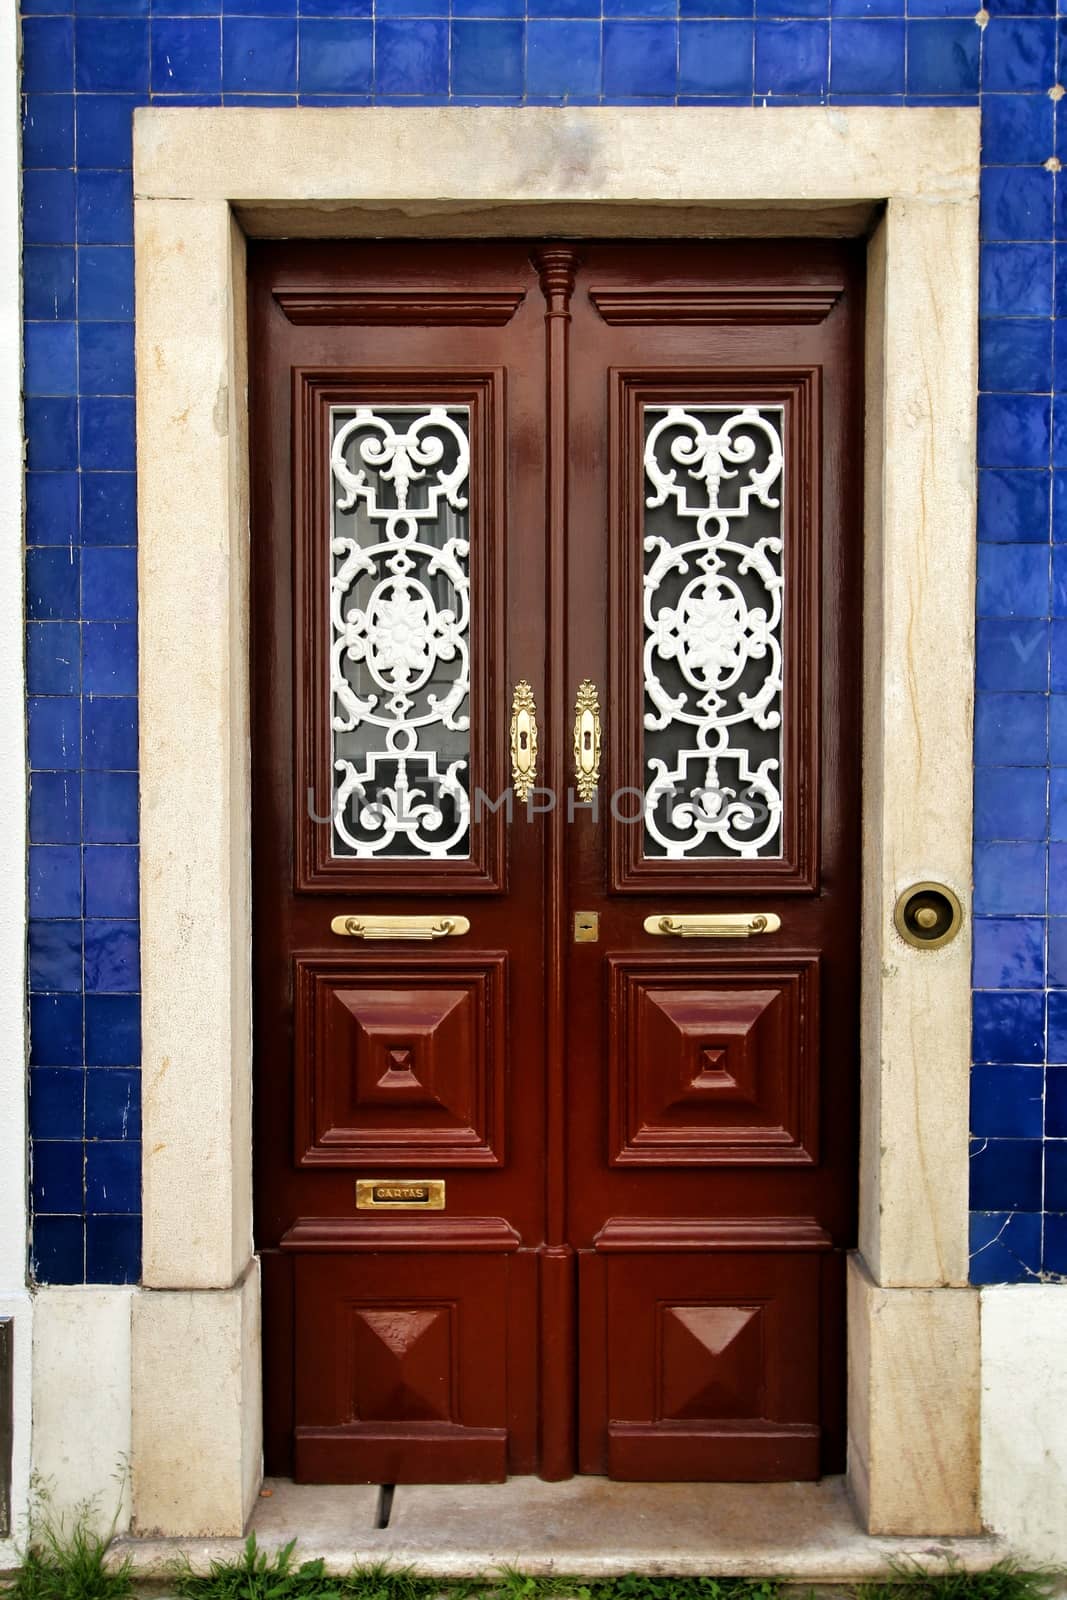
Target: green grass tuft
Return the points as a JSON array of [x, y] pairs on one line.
[[68, 1563], [1006, 1580], [261, 1575]]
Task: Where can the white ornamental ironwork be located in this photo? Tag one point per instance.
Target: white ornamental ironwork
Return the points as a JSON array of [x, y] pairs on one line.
[[400, 619], [713, 631]]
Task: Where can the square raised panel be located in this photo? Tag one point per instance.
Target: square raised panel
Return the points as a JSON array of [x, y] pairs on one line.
[[400, 1061], [714, 1060]]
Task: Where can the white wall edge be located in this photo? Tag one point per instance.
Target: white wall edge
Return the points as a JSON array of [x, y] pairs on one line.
[[14, 1298]]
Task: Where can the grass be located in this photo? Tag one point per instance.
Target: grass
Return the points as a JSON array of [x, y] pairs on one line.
[[1004, 1581], [68, 1562]]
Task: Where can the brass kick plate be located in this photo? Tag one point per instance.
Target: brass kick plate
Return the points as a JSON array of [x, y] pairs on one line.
[[379, 1194], [586, 927]]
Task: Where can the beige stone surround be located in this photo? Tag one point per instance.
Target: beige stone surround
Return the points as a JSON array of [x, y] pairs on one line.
[[203, 180]]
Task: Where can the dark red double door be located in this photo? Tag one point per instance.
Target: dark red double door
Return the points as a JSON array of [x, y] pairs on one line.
[[555, 625]]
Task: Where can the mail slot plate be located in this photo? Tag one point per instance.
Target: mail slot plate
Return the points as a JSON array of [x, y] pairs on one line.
[[386, 1194]]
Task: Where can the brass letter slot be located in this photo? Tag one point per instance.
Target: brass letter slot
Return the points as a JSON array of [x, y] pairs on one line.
[[379, 1194], [716, 925], [431, 926]]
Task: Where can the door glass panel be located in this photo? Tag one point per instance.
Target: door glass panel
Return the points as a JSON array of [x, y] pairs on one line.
[[399, 626], [713, 631]]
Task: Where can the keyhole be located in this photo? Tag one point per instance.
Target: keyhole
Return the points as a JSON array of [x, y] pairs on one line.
[[524, 741], [587, 740]]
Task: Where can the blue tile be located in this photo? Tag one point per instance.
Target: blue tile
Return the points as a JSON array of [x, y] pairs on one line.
[[1057, 720], [113, 1103], [1015, 353], [640, 8], [1019, 54], [563, 58], [109, 508], [51, 508], [1016, 203], [943, 57], [48, 282], [867, 58], [1056, 1175], [1021, 8], [109, 807], [1059, 581], [53, 658], [1009, 952], [52, 584], [56, 1031], [1011, 728], [104, 128], [112, 55], [487, 57], [48, 211], [1013, 506], [1006, 1102], [333, 9], [53, 733], [1059, 427], [112, 957], [1005, 1246], [1016, 280], [113, 1249], [487, 8], [1010, 803], [105, 207], [587, 8], [112, 1030], [109, 734], [55, 807], [1057, 879], [1017, 128], [111, 881], [1058, 674], [107, 435], [58, 1250], [1059, 354], [1056, 1103], [57, 1102], [109, 583], [47, 55], [48, 130], [186, 55], [105, 358], [1006, 1175], [792, 57], [1054, 1258], [54, 881], [1013, 580], [1009, 879], [410, 57], [259, 55], [51, 434], [1058, 803], [1057, 951], [55, 960], [337, 57], [715, 58], [105, 283], [109, 658], [1014, 430], [112, 8], [113, 1176], [1008, 1026], [1057, 1026], [1012, 654], [866, 8]]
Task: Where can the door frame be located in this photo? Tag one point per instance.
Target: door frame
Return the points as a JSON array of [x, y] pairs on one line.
[[907, 179]]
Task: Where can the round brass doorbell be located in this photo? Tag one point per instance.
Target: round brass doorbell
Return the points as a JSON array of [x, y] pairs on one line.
[[928, 915]]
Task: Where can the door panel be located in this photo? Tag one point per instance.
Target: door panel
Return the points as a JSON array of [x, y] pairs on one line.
[[582, 520]]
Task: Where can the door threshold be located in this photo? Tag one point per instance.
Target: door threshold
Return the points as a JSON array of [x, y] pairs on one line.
[[588, 1527]]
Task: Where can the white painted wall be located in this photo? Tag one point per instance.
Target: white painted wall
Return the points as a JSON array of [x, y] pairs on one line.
[[1024, 1418], [14, 1300]]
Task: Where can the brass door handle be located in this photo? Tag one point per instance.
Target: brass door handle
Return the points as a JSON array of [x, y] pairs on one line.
[[716, 925], [523, 740], [431, 926], [586, 739]]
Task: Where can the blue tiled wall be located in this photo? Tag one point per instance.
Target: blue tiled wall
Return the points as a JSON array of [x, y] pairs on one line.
[[88, 63]]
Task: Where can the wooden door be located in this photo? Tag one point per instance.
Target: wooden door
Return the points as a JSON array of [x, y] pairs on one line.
[[538, 1189]]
